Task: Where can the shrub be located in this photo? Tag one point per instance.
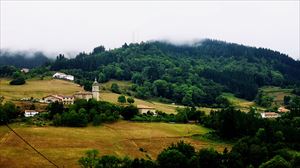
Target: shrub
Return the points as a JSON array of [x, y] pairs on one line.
[[18, 81]]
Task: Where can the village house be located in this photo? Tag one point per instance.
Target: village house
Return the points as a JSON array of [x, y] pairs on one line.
[[143, 109], [283, 110], [60, 75], [59, 98], [30, 113], [269, 115], [83, 95], [25, 70]]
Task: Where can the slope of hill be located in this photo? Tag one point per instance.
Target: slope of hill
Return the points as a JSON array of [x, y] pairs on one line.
[[186, 74], [37, 88], [65, 146], [40, 88]]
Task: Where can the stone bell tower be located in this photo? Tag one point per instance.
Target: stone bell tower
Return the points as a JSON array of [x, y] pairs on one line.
[[96, 90]]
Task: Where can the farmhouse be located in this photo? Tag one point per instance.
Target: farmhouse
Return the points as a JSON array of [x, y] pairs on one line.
[[30, 113], [60, 75], [25, 70], [283, 110], [83, 95], [59, 98], [269, 115], [144, 109]]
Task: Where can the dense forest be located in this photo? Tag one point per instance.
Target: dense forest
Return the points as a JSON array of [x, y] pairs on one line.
[[186, 74], [23, 59]]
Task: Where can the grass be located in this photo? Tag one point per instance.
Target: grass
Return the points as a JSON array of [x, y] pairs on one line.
[[242, 104], [278, 93], [65, 145], [123, 85], [167, 108], [37, 88]]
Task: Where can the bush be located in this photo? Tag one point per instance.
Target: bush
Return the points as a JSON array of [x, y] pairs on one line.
[[97, 120], [115, 88], [129, 112], [122, 99], [18, 81], [130, 100]]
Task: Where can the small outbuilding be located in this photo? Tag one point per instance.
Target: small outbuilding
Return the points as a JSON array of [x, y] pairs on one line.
[[30, 113], [143, 109], [269, 115], [283, 110]]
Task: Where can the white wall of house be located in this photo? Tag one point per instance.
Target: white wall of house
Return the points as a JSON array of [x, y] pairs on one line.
[[30, 113], [144, 111]]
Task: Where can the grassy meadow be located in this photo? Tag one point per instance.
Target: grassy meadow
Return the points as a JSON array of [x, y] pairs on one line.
[[277, 92], [65, 145], [37, 88]]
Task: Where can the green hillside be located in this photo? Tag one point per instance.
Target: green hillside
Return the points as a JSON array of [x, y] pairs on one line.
[[194, 75]]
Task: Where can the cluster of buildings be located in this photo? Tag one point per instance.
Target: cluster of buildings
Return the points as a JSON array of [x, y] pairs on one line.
[[281, 110], [95, 94]]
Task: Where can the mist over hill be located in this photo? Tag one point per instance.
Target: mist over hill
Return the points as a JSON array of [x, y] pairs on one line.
[[22, 59]]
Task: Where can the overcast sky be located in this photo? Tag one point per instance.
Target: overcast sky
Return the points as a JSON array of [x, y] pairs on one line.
[[68, 27]]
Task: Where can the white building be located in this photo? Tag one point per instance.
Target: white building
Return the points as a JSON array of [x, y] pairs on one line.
[[30, 113], [59, 98], [83, 95], [60, 75], [25, 70], [145, 109], [269, 115]]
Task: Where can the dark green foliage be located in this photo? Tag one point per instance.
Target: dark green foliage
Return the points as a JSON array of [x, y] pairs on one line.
[[129, 112], [171, 158], [296, 91], [8, 111], [74, 119], [97, 120], [91, 160], [18, 81], [276, 162], [222, 101], [98, 50], [115, 88], [263, 100], [7, 71], [130, 100], [183, 116], [186, 149], [191, 75], [286, 100], [122, 99], [55, 108], [208, 158]]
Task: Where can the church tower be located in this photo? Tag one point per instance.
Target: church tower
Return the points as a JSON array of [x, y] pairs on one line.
[[96, 90]]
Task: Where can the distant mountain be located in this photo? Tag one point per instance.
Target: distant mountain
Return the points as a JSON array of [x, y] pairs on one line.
[[189, 74], [23, 59]]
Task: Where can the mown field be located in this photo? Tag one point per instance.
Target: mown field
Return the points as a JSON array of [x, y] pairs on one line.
[[65, 145], [37, 88], [278, 93]]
